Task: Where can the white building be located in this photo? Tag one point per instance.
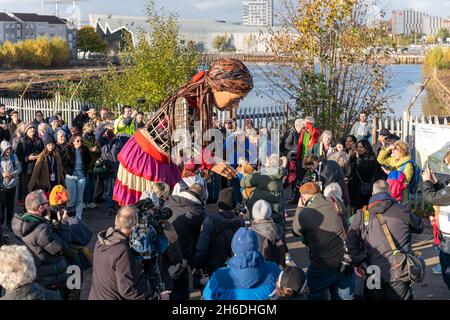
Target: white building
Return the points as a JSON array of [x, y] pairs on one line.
[[257, 12], [407, 21], [243, 39], [431, 25]]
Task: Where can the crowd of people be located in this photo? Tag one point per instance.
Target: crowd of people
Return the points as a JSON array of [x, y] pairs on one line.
[[340, 186]]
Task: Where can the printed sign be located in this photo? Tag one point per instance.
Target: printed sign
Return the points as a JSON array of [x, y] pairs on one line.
[[432, 143]]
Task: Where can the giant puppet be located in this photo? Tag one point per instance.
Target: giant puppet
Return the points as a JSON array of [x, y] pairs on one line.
[[146, 157]]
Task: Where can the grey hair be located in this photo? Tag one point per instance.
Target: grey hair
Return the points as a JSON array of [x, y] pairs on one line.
[[326, 133], [380, 186], [60, 131], [43, 126], [333, 190], [273, 160], [310, 119], [299, 123], [126, 218], [34, 199], [17, 267], [340, 157]]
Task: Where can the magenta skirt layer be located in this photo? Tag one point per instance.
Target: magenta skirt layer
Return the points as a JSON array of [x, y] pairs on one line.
[[137, 170]]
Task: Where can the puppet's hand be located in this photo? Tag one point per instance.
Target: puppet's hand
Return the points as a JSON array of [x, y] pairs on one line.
[[225, 170]]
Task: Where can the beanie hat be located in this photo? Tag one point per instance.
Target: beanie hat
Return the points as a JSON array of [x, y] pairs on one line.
[[261, 210], [226, 200], [58, 196], [293, 278], [28, 126], [244, 240], [385, 132], [52, 118], [309, 188], [48, 139], [340, 141], [85, 108]]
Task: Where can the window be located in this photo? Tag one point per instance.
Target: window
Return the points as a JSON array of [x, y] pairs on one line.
[[42, 33]]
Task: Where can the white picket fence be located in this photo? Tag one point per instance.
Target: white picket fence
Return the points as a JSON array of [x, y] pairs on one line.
[[270, 117]]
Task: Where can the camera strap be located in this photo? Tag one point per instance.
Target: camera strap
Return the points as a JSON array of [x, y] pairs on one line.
[[387, 233], [338, 212]]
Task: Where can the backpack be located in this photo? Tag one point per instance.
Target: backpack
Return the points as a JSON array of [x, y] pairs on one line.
[[415, 179], [224, 233]]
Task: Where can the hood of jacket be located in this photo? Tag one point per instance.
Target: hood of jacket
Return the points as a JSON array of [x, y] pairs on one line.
[[247, 268], [266, 229], [227, 220], [4, 145], [187, 197], [380, 202], [111, 237], [275, 173], [25, 224]]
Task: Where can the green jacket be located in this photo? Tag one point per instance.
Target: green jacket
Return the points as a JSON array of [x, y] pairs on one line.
[[268, 186]]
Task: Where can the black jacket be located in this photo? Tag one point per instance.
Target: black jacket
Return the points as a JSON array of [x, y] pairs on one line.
[[80, 120], [368, 168], [31, 291], [437, 194], [321, 228], [26, 147], [214, 243], [368, 243], [68, 158], [47, 243], [81, 235], [289, 145], [330, 172], [115, 275], [187, 219]]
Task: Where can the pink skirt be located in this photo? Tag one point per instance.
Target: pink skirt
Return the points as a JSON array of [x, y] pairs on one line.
[[139, 168]]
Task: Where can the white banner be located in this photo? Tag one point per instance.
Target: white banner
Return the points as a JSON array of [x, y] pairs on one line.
[[432, 143]]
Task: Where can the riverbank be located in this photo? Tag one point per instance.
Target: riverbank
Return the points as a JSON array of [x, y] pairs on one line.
[[438, 98]]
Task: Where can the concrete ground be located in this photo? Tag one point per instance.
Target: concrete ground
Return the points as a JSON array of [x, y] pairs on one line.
[[432, 288]]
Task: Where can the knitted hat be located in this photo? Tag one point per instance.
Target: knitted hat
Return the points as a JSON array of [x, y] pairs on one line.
[[261, 210], [244, 240], [292, 278], [309, 188], [226, 200], [28, 125], [58, 196], [52, 118]]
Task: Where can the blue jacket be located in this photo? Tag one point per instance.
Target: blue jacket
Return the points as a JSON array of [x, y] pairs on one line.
[[247, 277]]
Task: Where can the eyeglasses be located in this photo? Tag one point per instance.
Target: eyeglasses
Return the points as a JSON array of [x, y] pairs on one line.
[[44, 203]]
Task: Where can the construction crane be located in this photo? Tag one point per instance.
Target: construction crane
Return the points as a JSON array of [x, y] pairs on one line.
[[58, 2]]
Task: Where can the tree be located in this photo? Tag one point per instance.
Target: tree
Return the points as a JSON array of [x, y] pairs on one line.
[[89, 41], [330, 74], [153, 70], [219, 43], [443, 34]]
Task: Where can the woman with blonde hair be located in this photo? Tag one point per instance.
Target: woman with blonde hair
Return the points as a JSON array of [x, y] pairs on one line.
[[323, 148], [396, 157]]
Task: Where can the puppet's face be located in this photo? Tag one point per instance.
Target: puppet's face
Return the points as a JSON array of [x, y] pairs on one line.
[[225, 100]]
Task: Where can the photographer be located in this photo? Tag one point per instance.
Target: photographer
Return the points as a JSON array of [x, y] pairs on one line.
[[125, 122], [116, 274], [322, 230], [368, 245], [46, 239]]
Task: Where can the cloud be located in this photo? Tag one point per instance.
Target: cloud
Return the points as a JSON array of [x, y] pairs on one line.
[[215, 5]]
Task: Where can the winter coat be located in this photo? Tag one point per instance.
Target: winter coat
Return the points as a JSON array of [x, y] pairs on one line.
[[268, 185], [187, 182], [81, 235], [12, 165], [26, 147], [368, 243], [40, 179], [187, 219], [47, 242], [269, 245], [124, 125], [330, 172], [437, 194], [80, 120], [31, 291], [12, 127], [214, 242], [320, 227], [385, 159], [367, 169], [69, 157], [115, 275], [111, 148], [247, 277], [290, 144]]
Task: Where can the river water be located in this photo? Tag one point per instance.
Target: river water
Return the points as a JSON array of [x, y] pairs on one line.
[[404, 84]]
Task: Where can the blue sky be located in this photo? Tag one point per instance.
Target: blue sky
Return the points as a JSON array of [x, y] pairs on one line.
[[195, 9]]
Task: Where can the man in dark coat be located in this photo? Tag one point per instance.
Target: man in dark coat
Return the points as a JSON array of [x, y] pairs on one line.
[[47, 241], [81, 118], [321, 229], [367, 244], [116, 274], [188, 215], [214, 243]]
